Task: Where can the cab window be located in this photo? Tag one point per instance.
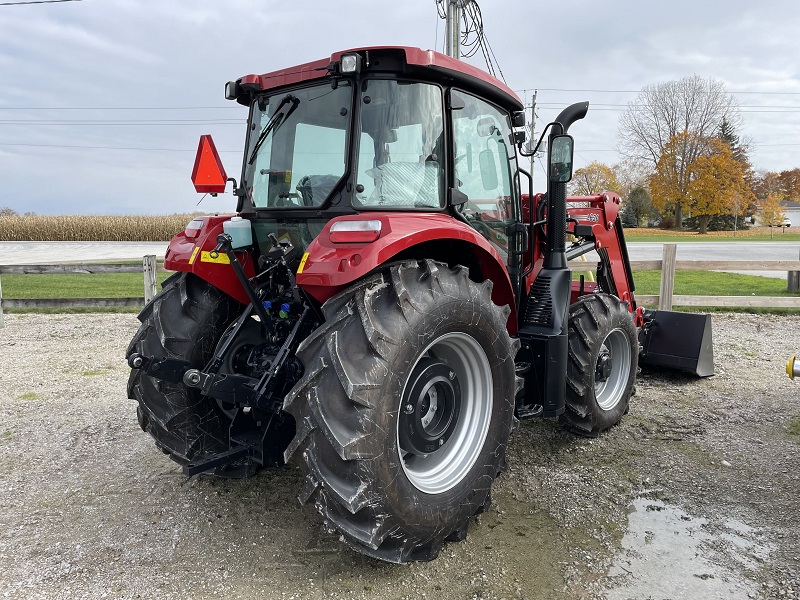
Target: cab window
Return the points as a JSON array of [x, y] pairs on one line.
[[484, 167]]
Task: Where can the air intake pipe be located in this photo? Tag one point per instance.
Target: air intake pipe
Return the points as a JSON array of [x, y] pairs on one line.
[[556, 257], [544, 323]]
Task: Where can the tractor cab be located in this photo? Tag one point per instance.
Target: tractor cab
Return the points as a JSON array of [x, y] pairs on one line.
[[376, 132]]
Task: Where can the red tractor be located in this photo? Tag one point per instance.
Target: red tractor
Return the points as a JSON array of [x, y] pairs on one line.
[[387, 302]]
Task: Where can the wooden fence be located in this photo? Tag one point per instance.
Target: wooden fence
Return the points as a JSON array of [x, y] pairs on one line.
[[665, 300], [149, 268]]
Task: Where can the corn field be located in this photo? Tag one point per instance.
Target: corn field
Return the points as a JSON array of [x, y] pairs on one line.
[[161, 228], [91, 228]]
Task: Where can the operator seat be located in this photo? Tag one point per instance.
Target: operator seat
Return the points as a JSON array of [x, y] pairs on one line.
[[315, 188]]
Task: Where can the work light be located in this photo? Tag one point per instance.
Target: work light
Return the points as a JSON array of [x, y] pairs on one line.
[[350, 63]]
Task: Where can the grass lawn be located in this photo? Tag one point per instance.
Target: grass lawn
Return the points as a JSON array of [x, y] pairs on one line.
[[131, 285], [752, 235], [97, 285], [711, 283]]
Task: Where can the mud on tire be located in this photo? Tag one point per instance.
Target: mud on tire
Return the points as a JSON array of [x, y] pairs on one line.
[[601, 368], [184, 320], [405, 409]]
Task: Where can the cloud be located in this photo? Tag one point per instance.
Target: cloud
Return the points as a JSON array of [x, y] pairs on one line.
[[151, 66]]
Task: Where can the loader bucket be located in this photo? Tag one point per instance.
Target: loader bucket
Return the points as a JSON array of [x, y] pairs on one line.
[[677, 340]]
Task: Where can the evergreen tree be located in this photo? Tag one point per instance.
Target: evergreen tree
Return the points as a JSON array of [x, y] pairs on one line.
[[744, 203], [638, 207]]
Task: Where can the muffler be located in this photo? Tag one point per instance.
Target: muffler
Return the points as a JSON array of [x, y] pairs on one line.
[[677, 340]]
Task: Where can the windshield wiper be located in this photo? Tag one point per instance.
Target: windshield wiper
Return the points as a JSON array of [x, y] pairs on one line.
[[276, 121]]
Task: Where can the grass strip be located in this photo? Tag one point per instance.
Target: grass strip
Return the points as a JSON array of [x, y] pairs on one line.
[[712, 283], [97, 285], [651, 235]]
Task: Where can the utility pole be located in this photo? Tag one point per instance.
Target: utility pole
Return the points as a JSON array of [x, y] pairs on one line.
[[533, 130], [453, 29]]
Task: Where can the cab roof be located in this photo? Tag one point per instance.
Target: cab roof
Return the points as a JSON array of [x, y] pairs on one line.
[[427, 65]]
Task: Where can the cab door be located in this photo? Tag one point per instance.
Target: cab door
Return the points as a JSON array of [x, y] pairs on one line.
[[485, 171]]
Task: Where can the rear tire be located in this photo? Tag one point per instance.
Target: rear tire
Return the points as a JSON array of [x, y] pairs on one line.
[[601, 368], [405, 409], [184, 320]]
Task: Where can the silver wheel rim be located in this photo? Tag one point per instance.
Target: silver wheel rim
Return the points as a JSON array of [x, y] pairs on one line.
[[608, 393], [439, 471]]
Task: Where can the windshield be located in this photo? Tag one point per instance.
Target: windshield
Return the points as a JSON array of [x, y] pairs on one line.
[[401, 146], [297, 151]]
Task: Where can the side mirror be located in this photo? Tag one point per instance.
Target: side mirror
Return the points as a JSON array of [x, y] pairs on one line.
[[208, 174], [561, 150]]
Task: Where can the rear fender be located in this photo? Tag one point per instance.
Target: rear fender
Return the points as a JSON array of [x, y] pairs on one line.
[[189, 251], [327, 267]]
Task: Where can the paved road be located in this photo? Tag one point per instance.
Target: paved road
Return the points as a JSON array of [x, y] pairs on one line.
[[722, 251], [718, 250], [45, 253], [32, 253]]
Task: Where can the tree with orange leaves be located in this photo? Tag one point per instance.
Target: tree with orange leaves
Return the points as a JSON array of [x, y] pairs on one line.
[[717, 184], [669, 184], [594, 178]]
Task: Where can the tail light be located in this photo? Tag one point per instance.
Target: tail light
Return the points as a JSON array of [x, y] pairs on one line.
[[193, 228], [355, 232]]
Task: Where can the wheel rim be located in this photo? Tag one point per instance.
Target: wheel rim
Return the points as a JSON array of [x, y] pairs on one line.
[[612, 369], [445, 413]]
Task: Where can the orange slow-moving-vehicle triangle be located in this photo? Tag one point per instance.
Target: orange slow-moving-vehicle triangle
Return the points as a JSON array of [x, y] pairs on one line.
[[208, 174]]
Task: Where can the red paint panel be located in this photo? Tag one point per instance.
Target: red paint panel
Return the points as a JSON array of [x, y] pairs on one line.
[[414, 57], [181, 250], [330, 267]]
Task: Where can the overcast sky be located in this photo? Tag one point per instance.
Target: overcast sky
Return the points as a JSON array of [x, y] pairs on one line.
[[102, 101]]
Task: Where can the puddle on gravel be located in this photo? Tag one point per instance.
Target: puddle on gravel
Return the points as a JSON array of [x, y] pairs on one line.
[[667, 553]]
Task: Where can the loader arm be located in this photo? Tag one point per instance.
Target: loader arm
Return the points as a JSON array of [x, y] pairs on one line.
[[671, 340], [594, 223], [596, 218]]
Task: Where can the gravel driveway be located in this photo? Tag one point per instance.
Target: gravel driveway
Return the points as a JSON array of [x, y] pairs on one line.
[[695, 495]]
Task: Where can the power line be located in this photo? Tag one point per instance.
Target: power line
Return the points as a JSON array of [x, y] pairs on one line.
[[608, 104], [745, 109], [136, 148], [473, 35], [644, 109], [640, 91], [109, 147], [107, 121], [37, 2], [117, 107], [157, 123]]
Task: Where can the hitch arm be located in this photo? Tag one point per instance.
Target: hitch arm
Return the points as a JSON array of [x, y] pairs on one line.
[[224, 243]]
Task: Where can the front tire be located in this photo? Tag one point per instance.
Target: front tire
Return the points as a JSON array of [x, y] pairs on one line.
[[602, 362], [405, 409]]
